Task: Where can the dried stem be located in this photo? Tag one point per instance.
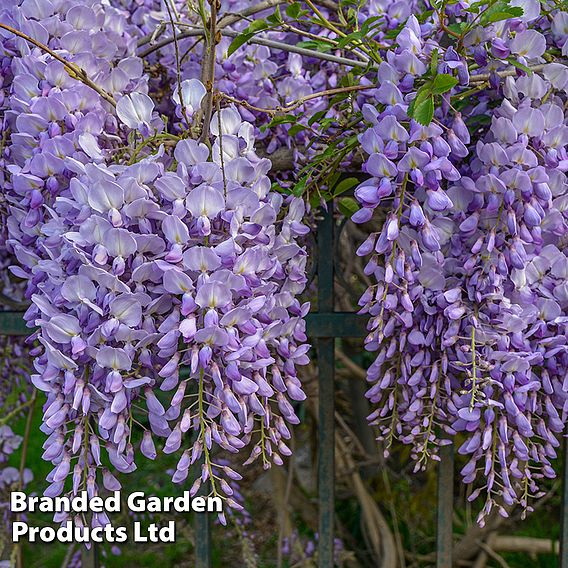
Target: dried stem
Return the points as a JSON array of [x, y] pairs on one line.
[[208, 68], [258, 41], [511, 72], [73, 70], [490, 552], [229, 19], [299, 102], [23, 457], [178, 60]]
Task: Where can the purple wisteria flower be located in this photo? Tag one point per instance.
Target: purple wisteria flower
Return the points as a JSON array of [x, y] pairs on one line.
[[467, 313]]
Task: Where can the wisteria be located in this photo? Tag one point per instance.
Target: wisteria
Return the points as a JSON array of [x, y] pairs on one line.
[[162, 167], [185, 258], [467, 313]]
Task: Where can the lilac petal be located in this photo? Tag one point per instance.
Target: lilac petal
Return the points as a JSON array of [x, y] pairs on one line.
[[135, 110]]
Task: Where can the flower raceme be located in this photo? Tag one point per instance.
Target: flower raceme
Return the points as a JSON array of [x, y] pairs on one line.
[[184, 259], [468, 309], [164, 269]]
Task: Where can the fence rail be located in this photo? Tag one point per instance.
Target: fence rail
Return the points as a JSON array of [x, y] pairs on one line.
[[324, 326]]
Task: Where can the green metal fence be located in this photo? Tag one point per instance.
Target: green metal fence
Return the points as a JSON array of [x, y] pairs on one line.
[[324, 326]]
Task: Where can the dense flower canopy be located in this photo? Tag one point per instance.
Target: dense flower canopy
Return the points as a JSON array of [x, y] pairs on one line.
[[165, 268]]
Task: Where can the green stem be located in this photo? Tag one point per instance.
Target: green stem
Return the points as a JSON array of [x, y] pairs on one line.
[[202, 436]]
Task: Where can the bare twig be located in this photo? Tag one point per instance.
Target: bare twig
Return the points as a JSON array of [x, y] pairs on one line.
[[511, 72], [351, 435], [70, 551], [178, 60], [287, 491], [73, 70], [23, 457], [258, 41], [302, 100], [208, 68], [16, 411], [232, 18], [483, 557], [373, 521], [467, 547], [497, 557], [358, 371], [525, 544]]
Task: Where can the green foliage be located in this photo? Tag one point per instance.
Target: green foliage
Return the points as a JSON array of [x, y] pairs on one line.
[[519, 65], [422, 107], [495, 11], [348, 206], [247, 34], [344, 185]]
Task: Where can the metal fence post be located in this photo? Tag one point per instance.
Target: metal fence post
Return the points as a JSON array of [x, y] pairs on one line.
[[326, 411], [202, 540], [445, 507], [90, 556]]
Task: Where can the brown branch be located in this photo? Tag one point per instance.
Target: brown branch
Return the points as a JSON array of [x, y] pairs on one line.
[[196, 32], [73, 70], [358, 371], [511, 72], [298, 102], [208, 68], [372, 519], [178, 60], [230, 18], [483, 557], [490, 552], [525, 544]]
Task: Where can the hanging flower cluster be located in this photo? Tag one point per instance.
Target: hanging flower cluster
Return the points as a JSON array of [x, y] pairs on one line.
[[183, 259], [163, 269], [468, 313], [411, 166]]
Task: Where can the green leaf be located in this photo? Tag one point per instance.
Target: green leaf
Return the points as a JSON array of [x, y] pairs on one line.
[[352, 37], [423, 16], [293, 10], [520, 66], [348, 206], [300, 187], [434, 62], [424, 111], [256, 26], [421, 95], [320, 46], [345, 185], [317, 116], [443, 83], [498, 11], [278, 188], [275, 17], [515, 12], [371, 23], [476, 6], [246, 35], [292, 131], [282, 119], [315, 200], [237, 42], [457, 27]]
